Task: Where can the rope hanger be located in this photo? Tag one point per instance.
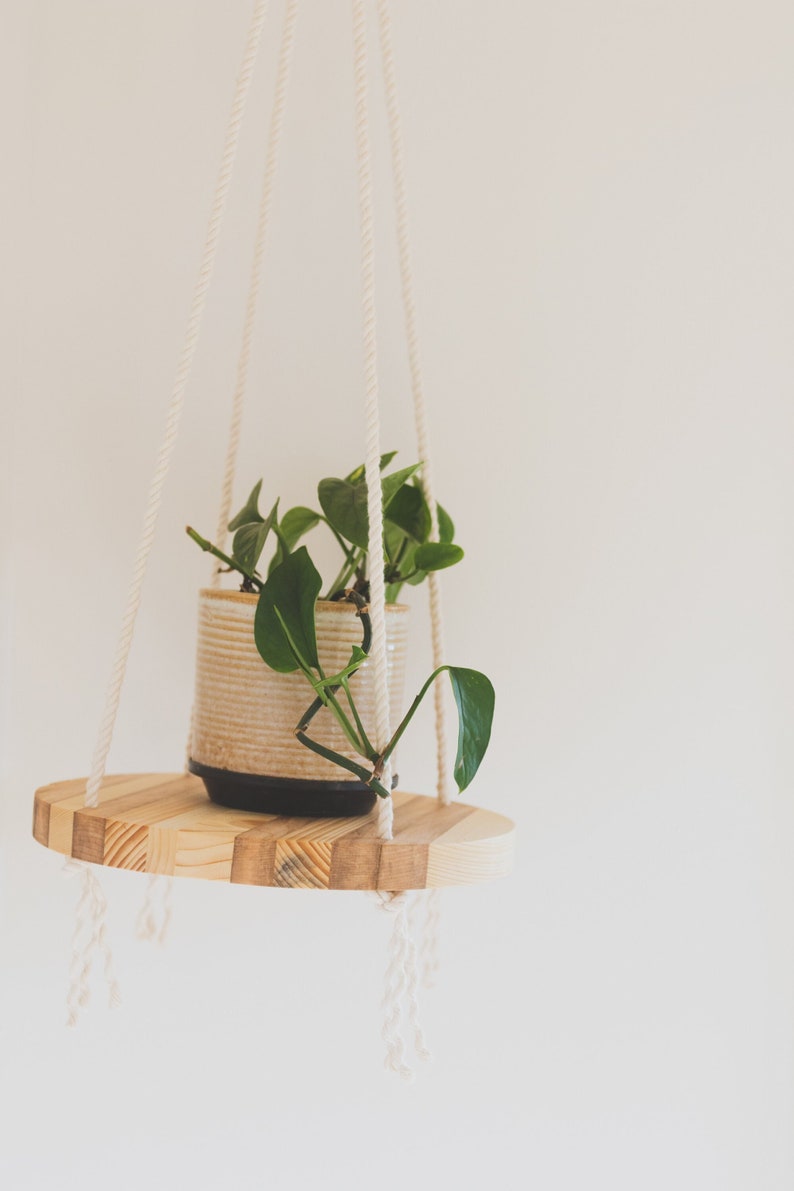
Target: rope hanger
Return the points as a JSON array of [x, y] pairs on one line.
[[377, 590], [402, 974], [176, 403], [198, 303]]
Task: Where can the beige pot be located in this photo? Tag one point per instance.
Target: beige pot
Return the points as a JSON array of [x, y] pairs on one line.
[[245, 714]]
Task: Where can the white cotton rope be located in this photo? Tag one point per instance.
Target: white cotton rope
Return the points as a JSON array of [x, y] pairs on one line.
[[412, 972], [176, 403], [283, 72], [431, 934], [377, 599], [417, 386], [90, 936], [400, 988], [155, 913], [429, 956]]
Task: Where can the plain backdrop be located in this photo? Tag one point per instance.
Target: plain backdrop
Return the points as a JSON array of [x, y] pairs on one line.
[[601, 200]]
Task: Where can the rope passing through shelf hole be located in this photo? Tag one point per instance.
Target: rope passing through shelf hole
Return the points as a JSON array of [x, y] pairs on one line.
[[176, 403], [89, 937], [377, 607], [92, 902], [400, 1000]]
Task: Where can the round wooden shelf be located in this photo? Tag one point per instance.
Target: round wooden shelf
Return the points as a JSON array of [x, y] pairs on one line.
[[164, 823]]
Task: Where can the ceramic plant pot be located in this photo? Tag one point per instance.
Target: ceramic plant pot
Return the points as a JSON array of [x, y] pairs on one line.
[[245, 714]]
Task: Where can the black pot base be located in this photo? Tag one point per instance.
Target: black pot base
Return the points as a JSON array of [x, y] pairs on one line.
[[284, 795]]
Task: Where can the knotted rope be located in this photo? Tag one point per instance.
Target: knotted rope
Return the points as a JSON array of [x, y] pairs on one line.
[[176, 403], [401, 986], [155, 913], [417, 386], [283, 73], [432, 924], [377, 658], [93, 902], [400, 998], [400, 991], [90, 936], [430, 959]]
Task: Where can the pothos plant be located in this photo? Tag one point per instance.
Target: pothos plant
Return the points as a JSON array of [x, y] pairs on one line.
[[284, 622]]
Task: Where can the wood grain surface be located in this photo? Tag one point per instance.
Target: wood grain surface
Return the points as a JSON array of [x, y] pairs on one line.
[[164, 823]]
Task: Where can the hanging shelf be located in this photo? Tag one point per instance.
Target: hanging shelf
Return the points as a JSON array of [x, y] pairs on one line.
[[163, 823]]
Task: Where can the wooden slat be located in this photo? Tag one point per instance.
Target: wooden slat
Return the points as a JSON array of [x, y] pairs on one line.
[[41, 821], [253, 860], [165, 824], [88, 837]]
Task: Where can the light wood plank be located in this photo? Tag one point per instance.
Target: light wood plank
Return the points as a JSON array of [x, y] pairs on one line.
[[165, 824]]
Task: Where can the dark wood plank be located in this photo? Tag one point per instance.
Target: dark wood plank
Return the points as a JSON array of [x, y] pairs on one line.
[[88, 837], [254, 859], [41, 820]]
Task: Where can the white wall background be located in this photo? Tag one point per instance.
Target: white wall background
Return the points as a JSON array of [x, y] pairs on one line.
[[602, 199]]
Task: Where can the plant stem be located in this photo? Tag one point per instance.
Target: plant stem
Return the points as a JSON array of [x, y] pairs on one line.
[[282, 541], [346, 573], [372, 754], [300, 661], [344, 723], [326, 697], [210, 549], [390, 747], [337, 758], [341, 541], [401, 552]]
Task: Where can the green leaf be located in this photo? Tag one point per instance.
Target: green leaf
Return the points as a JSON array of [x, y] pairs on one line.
[[393, 483], [357, 657], [446, 530], [357, 475], [345, 506], [408, 510], [284, 621], [293, 525], [297, 522], [249, 541], [475, 698], [249, 513], [435, 556]]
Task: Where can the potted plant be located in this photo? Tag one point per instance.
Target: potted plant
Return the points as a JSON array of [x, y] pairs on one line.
[[283, 687]]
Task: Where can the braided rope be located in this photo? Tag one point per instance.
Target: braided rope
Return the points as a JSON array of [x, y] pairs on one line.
[[262, 234], [395, 984], [176, 404], [99, 907], [155, 913], [412, 983], [372, 414], [400, 987], [79, 967], [90, 936], [431, 938], [417, 387]]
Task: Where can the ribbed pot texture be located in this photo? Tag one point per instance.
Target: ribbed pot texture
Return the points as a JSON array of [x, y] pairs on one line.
[[245, 714]]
